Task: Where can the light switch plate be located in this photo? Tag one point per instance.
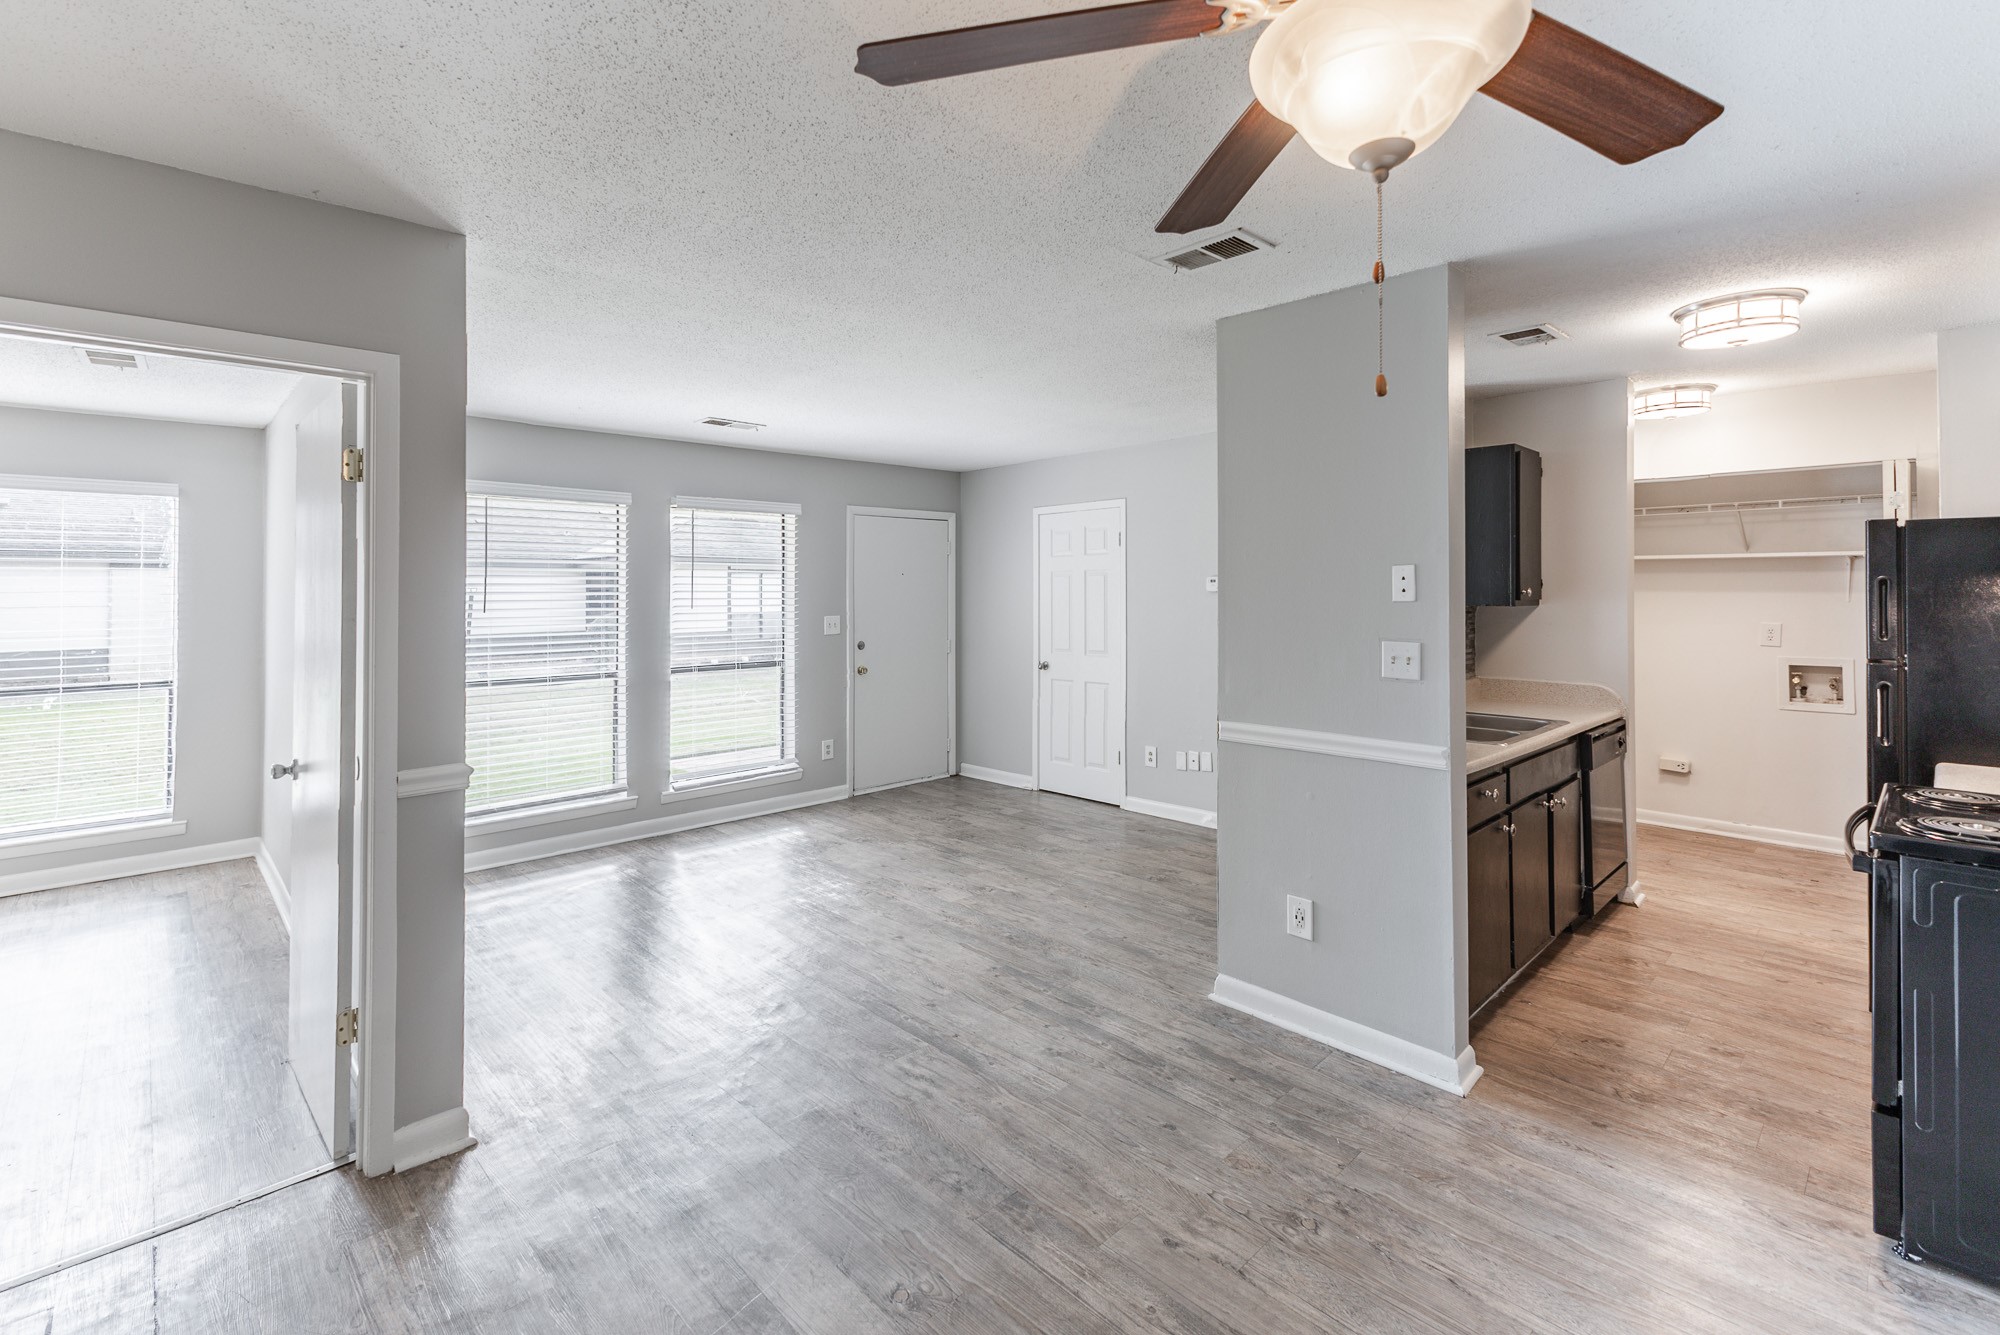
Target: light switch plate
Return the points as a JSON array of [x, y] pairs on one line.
[[1207, 761], [1402, 584], [1180, 760], [829, 625], [1403, 660], [1772, 635]]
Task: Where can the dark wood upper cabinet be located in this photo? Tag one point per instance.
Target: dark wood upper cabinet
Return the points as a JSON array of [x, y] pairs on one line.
[[1503, 526]]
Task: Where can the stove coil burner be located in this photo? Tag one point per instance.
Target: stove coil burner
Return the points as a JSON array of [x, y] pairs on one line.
[[1956, 797], [1960, 827]]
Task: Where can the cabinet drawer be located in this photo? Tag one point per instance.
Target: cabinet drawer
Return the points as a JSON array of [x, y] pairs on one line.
[[1547, 770], [1485, 798]]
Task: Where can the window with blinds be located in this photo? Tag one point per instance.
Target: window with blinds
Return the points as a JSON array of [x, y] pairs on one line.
[[88, 597], [732, 694], [544, 647]]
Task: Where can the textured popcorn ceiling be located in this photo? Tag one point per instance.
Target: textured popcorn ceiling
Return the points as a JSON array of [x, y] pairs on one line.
[[680, 209]]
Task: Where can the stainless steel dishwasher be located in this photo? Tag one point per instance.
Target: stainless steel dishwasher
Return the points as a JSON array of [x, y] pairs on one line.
[[1609, 856]]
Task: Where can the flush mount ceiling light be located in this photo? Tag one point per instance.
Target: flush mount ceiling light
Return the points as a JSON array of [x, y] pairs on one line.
[[1740, 319], [1673, 401]]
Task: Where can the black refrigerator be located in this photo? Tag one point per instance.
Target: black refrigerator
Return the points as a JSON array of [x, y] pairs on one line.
[[1933, 858], [1933, 647]]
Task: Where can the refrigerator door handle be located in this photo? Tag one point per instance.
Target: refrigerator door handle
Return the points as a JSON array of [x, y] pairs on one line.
[[1883, 700], [1878, 609]]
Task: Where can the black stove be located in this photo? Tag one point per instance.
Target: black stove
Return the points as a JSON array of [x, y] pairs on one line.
[[1947, 824]]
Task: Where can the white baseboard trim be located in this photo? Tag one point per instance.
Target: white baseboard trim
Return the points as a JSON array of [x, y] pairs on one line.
[[1762, 834], [434, 1137], [1005, 778], [138, 864], [1145, 806], [1388, 750], [1454, 1076], [582, 840], [281, 894]]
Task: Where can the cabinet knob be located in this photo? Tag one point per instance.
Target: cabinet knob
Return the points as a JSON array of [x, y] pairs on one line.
[[1490, 794], [861, 672], [1508, 827]]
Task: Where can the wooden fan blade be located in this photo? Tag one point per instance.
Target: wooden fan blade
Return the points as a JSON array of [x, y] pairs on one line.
[[1599, 97], [1251, 145], [992, 46]]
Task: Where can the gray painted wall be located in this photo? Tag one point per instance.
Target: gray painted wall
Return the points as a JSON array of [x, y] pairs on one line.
[[1969, 421], [87, 229], [1170, 550], [1323, 488], [220, 472], [654, 471], [1582, 631]]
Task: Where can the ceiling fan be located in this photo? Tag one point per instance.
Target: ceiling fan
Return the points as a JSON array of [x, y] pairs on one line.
[[1367, 83]]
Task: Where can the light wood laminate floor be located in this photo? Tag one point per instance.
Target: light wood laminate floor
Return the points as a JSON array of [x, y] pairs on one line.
[[143, 1072], [940, 1059]]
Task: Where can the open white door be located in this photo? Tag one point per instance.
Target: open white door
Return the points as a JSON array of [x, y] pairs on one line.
[[1080, 651], [322, 873], [902, 650]]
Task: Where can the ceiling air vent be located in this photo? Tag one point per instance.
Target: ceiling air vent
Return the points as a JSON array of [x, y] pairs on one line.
[[1533, 336], [117, 361], [1225, 247], [732, 424]]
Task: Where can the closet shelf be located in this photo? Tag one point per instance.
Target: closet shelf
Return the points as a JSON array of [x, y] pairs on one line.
[[1744, 556]]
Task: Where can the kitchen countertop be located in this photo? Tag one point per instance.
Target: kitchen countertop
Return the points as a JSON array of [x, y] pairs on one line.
[[1573, 707]]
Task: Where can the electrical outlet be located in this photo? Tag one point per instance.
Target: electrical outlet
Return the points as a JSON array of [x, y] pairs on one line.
[[826, 749], [1299, 916], [1180, 760], [1207, 761], [1152, 757], [1211, 584], [1402, 584], [1403, 660], [829, 625], [1773, 635], [1669, 765]]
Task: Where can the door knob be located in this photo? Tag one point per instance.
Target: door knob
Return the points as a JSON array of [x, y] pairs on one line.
[[861, 672], [290, 771], [1044, 665]]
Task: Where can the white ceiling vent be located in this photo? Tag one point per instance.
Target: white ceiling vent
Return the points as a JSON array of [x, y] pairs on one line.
[[1534, 336], [1228, 246], [732, 424], [117, 361]]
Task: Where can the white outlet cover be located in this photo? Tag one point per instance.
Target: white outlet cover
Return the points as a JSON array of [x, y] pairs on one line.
[[1212, 583], [1152, 757], [1299, 916], [829, 625], [1402, 584], [1772, 635], [1402, 660], [826, 749]]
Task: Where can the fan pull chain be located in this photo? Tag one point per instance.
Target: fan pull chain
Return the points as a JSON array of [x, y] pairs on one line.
[[1381, 375]]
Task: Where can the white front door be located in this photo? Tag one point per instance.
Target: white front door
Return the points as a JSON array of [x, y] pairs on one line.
[[322, 877], [902, 651], [1080, 651]]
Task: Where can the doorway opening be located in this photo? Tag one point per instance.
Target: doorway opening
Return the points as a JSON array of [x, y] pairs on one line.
[[1080, 650], [184, 822]]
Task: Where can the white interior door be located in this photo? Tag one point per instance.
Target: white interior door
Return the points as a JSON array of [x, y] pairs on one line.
[[902, 651], [1080, 651], [322, 874]]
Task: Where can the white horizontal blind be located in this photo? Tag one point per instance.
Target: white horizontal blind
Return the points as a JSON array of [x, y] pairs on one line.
[[731, 679], [88, 595], [545, 697]]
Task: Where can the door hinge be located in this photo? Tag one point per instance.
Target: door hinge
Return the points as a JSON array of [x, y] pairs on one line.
[[347, 1027], [350, 464]]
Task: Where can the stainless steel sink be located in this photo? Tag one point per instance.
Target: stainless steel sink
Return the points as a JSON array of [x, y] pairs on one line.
[[1502, 727]]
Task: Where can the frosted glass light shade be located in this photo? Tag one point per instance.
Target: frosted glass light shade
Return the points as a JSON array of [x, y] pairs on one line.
[[1740, 318], [1345, 73], [1673, 401]]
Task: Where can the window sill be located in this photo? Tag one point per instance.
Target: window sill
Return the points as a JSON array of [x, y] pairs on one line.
[[762, 779], [501, 822], [64, 841]]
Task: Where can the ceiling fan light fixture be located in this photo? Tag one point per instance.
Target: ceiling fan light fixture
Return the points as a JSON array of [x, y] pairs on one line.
[[1672, 401], [1348, 74], [1740, 318]]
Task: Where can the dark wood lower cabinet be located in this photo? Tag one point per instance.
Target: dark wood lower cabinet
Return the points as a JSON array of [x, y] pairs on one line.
[[1566, 871], [1489, 912], [1532, 926]]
